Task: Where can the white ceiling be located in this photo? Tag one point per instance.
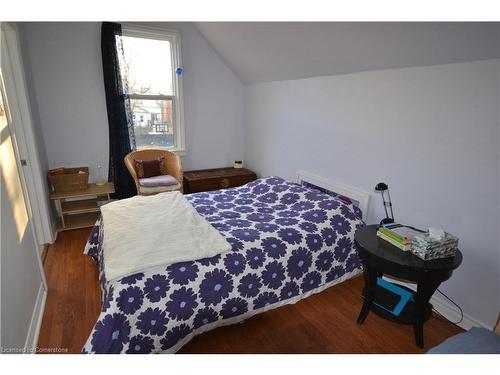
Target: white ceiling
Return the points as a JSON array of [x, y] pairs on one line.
[[259, 52]]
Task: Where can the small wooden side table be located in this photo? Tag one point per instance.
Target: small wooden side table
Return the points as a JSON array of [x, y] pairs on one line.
[[214, 179], [380, 257], [81, 208]]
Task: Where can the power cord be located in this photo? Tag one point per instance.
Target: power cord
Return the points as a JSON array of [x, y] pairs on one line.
[[453, 302]]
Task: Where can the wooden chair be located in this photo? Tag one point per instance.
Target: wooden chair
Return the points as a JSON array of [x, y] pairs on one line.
[[172, 165]]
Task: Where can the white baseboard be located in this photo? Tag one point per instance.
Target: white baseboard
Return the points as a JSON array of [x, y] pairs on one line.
[[446, 309], [36, 321]]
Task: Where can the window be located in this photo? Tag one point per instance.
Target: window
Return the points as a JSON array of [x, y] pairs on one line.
[[152, 68]]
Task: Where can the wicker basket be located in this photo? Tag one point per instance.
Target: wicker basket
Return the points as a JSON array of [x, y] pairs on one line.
[[69, 179]]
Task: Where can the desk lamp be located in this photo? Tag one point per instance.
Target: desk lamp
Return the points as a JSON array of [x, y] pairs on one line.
[[382, 188]]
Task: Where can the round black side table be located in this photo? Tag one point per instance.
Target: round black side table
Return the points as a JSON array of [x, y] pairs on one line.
[[379, 257]]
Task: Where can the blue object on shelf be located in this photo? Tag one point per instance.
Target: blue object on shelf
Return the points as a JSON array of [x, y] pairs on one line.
[[404, 296]]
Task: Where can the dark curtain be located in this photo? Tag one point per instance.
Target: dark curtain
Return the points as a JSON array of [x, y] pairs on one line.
[[121, 136]]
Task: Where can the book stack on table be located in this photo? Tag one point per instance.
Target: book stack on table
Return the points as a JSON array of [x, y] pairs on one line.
[[398, 235]]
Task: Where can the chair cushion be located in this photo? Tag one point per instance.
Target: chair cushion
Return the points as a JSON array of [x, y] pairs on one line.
[[149, 168], [162, 180], [143, 190]]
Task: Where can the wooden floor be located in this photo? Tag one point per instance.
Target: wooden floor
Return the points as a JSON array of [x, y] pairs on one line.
[[323, 323]]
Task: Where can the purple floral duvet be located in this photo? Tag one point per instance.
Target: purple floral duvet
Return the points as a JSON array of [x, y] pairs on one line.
[[288, 242]]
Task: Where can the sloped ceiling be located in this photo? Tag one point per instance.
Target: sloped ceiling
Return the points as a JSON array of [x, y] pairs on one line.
[[259, 52]]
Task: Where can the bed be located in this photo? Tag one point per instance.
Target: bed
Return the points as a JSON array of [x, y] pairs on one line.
[[288, 242]]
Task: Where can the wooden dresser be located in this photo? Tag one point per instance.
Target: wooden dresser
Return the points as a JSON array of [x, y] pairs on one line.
[[213, 179]]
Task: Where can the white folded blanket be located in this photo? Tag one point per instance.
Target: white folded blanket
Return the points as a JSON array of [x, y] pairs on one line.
[[147, 231]]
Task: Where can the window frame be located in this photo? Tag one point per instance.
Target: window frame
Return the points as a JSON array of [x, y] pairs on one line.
[[174, 37]]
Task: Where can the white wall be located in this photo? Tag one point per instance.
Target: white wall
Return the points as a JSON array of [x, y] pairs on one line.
[[431, 133], [66, 64], [65, 60]]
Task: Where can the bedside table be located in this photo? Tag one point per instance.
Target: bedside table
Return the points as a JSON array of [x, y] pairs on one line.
[[380, 257], [214, 179]]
